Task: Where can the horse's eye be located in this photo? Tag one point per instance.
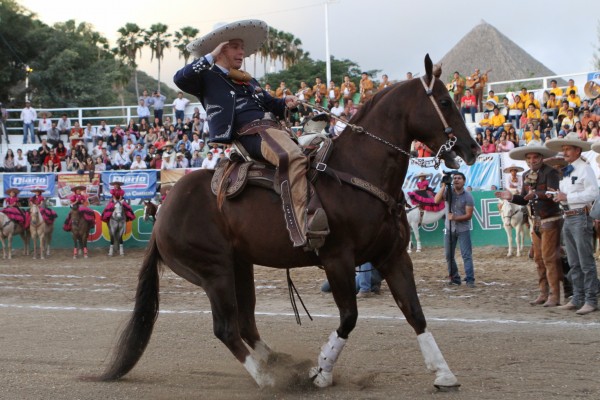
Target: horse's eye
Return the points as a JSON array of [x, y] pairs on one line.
[[445, 103]]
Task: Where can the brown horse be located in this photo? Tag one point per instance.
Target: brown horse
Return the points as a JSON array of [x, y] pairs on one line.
[[80, 230], [250, 229], [150, 210], [40, 231]]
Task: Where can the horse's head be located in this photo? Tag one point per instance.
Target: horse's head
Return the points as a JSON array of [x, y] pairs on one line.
[[431, 117], [118, 211]]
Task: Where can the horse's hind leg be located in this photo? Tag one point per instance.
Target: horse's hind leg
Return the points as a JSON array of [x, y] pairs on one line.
[[226, 326], [340, 274], [398, 273], [246, 303]]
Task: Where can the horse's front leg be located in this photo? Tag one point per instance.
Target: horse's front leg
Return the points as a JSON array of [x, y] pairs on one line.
[[398, 273], [42, 245], [34, 238], [341, 277], [508, 230], [75, 247], [3, 245], [519, 238]]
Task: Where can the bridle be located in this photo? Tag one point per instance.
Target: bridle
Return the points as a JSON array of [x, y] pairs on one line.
[[445, 148]]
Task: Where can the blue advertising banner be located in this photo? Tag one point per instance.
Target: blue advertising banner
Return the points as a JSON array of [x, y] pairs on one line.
[[482, 175], [136, 184], [28, 182]]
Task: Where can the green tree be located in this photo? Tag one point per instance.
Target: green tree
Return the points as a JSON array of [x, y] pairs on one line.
[[157, 39], [129, 44], [182, 38]]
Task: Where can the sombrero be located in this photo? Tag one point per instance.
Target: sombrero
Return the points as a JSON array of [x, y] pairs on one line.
[[37, 190], [169, 144], [420, 174], [511, 167], [556, 161], [9, 190], [252, 31], [533, 147], [117, 183], [79, 187], [596, 146], [571, 139]]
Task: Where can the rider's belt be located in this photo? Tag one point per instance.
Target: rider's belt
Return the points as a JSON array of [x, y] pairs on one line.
[[258, 125], [576, 211]]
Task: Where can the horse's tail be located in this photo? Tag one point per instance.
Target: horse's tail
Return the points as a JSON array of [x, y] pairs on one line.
[[135, 337]]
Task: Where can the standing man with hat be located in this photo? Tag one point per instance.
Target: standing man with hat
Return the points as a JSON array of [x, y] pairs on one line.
[[239, 110], [578, 190], [546, 216]]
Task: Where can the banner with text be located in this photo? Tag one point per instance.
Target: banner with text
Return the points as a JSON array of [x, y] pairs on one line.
[[138, 184], [28, 182]]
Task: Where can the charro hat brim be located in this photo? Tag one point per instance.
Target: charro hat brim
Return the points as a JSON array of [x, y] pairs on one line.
[[570, 140], [252, 31], [12, 190], [80, 187], [513, 166], [596, 146], [521, 152], [420, 174], [556, 162]]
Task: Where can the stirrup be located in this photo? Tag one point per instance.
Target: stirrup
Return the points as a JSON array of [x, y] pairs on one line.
[[317, 229]]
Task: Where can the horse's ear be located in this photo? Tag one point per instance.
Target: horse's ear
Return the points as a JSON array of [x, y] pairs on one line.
[[428, 67], [437, 70]]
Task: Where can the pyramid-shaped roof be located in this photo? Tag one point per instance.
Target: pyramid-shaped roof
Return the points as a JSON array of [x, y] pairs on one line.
[[485, 47]]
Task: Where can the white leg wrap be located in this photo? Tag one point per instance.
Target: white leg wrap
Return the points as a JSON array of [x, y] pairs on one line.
[[110, 250], [263, 351], [121, 251], [322, 375], [261, 377], [434, 361]]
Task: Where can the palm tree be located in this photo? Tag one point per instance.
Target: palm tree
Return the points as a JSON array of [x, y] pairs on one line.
[[128, 45], [182, 38], [157, 39]]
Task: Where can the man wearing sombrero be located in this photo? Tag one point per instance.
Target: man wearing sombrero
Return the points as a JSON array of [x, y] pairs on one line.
[[238, 109], [546, 216], [577, 191]]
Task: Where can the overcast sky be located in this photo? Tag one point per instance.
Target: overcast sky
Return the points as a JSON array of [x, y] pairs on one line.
[[390, 35]]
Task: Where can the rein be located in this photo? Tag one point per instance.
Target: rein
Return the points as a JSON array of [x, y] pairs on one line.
[[445, 148]]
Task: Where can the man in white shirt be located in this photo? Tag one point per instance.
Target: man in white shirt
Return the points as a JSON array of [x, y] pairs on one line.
[[578, 190], [44, 126], [120, 160], [209, 162], [129, 148], [143, 112], [179, 105], [181, 161], [64, 125], [337, 110], [28, 116], [88, 133], [138, 163], [97, 149], [167, 161], [102, 132]]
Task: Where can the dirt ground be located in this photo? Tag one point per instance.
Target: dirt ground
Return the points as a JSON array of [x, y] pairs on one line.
[[59, 319]]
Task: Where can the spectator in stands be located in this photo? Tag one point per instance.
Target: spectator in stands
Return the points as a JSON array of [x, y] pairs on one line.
[[160, 143], [9, 162], [595, 107], [76, 135], [479, 138], [97, 149], [99, 165], [172, 134], [120, 160], [105, 157], [169, 149], [52, 162], [484, 122], [571, 118], [20, 162], [336, 108], [492, 97], [195, 143], [468, 104], [179, 105], [517, 108], [504, 145], [552, 105], [209, 162], [138, 163], [150, 155], [531, 133], [64, 125], [103, 132], [571, 86], [115, 140], [458, 88], [497, 121], [132, 131], [180, 161], [158, 103], [546, 126], [282, 90], [74, 165], [128, 148], [564, 109], [593, 135], [588, 117], [532, 100], [554, 89], [139, 150], [333, 93], [581, 133], [196, 160], [143, 112], [88, 133], [488, 134], [156, 161], [533, 113], [488, 147], [44, 125], [88, 167], [512, 136], [35, 161], [151, 137], [144, 129], [53, 135], [28, 116], [574, 100], [168, 161], [44, 149], [421, 149], [181, 149]]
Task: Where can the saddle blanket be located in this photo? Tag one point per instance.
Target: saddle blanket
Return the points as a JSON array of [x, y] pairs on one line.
[[110, 208]]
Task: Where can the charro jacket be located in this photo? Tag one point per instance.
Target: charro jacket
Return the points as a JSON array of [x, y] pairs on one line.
[[542, 206], [229, 105]]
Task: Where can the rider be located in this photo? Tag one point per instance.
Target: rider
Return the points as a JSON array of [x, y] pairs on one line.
[[80, 199], [118, 195], [239, 110], [38, 199], [13, 210], [425, 196]]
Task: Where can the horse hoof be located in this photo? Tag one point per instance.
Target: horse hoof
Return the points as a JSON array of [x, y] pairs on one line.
[[409, 251], [446, 382], [418, 250], [74, 257], [85, 256], [320, 378], [443, 388]]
